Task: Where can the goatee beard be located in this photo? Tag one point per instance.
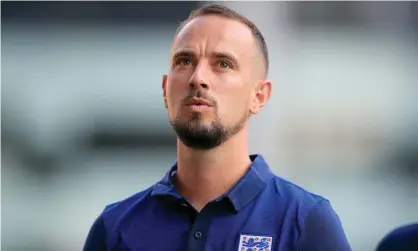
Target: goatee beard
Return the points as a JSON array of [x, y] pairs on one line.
[[195, 135]]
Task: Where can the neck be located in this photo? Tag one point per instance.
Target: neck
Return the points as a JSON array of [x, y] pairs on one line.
[[204, 175]]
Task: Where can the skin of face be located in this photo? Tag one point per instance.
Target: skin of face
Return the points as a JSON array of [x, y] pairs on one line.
[[216, 64]]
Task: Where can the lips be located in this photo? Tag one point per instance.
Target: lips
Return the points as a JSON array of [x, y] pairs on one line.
[[197, 102]]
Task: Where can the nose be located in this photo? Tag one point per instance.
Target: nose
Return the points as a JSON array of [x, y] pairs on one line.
[[201, 85], [200, 77]]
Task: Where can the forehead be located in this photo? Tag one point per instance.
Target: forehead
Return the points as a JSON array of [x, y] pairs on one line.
[[211, 33]]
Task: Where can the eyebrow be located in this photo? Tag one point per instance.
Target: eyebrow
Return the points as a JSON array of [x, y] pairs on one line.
[[183, 54], [225, 55], [216, 54]]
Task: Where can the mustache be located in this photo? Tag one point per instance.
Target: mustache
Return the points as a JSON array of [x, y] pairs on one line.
[[199, 94]]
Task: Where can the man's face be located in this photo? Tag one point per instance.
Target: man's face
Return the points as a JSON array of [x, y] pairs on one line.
[[210, 87]]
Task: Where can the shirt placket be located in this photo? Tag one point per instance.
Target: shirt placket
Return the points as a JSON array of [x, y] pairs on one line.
[[199, 230]]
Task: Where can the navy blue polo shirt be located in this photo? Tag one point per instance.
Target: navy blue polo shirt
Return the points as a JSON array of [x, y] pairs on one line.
[[262, 212], [404, 238]]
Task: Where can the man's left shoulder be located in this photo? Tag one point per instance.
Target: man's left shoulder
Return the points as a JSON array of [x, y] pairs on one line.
[[320, 226], [297, 195]]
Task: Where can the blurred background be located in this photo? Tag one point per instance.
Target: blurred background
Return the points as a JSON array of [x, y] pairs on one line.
[[83, 121]]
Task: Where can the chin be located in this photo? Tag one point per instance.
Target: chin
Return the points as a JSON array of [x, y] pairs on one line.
[[200, 123]]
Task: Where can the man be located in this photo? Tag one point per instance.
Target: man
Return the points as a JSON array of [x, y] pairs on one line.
[[217, 196], [403, 238]]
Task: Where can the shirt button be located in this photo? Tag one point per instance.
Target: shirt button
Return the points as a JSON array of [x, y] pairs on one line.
[[184, 205], [198, 235]]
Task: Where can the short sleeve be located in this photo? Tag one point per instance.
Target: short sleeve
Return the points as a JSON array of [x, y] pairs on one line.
[[323, 230], [96, 238]]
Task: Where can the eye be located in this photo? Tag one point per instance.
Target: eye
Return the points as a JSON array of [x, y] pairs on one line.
[[183, 61], [225, 64]]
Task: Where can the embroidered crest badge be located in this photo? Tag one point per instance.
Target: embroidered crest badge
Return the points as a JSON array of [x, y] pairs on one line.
[[255, 243]]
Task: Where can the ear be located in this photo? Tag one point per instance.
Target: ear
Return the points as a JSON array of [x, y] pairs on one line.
[[164, 86], [262, 94]]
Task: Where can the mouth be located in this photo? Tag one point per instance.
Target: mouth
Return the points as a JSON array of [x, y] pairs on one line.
[[198, 105], [198, 102]]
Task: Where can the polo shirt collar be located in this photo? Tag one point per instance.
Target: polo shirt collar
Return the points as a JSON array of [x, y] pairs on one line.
[[244, 191]]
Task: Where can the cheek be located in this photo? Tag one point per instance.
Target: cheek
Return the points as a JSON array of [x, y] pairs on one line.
[[177, 82], [176, 90], [233, 107], [233, 99]]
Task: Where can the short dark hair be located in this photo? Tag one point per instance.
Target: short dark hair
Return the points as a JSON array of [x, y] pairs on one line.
[[223, 11]]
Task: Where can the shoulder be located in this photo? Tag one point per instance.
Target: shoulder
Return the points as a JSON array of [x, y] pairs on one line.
[[303, 203], [103, 226], [296, 194], [114, 212], [402, 238], [319, 225], [118, 208]]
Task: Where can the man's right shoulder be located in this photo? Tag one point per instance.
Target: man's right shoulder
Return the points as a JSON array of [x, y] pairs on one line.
[[114, 211], [102, 231]]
